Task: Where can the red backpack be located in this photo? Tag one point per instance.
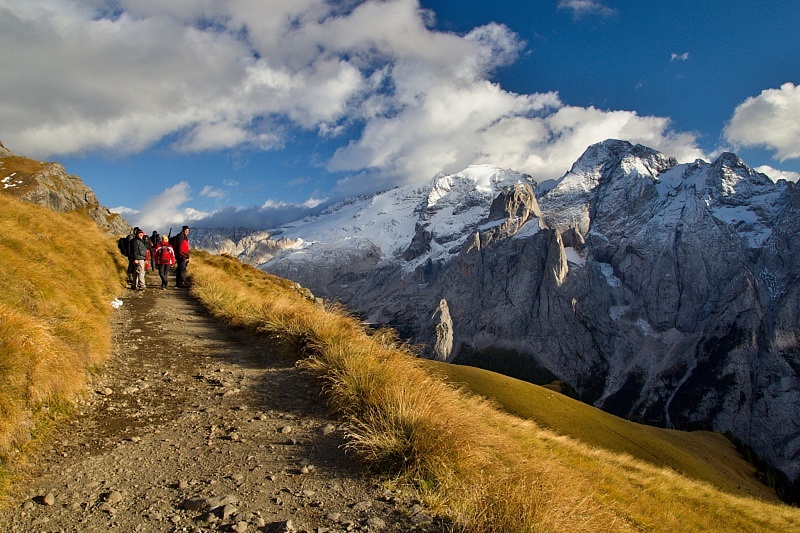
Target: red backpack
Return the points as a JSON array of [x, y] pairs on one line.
[[164, 255]]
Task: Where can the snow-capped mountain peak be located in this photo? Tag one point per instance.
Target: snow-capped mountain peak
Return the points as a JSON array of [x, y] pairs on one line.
[[447, 208]]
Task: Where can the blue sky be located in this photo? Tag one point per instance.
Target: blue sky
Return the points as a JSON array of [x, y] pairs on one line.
[[253, 112]]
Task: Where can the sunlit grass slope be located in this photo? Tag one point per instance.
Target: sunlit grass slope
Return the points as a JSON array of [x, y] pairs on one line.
[[483, 468], [700, 455], [58, 275]]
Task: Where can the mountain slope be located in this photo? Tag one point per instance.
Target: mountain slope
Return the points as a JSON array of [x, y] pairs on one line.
[[48, 184], [665, 293]]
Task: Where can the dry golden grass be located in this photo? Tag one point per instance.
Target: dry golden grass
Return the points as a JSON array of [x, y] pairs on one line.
[[19, 167], [59, 274], [700, 455], [484, 469]]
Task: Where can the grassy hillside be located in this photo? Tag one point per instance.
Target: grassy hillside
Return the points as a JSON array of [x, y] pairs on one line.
[[700, 455], [486, 469], [59, 274]]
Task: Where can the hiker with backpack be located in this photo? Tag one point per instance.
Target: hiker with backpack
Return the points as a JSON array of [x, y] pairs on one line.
[[164, 257], [138, 257], [124, 245], [155, 240], [180, 244]]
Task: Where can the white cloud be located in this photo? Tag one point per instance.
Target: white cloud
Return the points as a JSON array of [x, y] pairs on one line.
[[124, 211], [166, 210], [775, 174], [679, 57], [210, 192], [581, 8], [248, 74], [771, 120], [312, 203], [482, 124], [270, 215]]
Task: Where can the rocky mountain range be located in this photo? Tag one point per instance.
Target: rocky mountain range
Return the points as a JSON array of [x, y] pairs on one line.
[[665, 293], [48, 184]]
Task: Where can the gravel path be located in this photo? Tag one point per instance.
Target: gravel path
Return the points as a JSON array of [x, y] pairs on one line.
[[193, 426]]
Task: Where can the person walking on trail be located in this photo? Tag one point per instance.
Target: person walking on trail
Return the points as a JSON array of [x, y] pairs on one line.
[[165, 258], [124, 245], [139, 257], [181, 248], [155, 240]]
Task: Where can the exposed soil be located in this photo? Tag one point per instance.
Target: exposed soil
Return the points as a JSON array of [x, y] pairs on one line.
[[193, 426]]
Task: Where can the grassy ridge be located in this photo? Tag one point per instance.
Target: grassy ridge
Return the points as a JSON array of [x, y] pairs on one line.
[[59, 275], [483, 468], [700, 455]]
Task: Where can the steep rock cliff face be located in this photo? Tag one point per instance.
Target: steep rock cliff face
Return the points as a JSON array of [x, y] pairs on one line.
[[48, 184], [662, 292]]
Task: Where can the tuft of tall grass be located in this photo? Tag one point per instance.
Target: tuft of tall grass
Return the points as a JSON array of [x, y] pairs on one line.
[[59, 274], [484, 469]]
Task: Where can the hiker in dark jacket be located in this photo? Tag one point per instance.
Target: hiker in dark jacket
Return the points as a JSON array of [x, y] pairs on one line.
[[138, 256], [155, 240], [127, 247], [181, 248]]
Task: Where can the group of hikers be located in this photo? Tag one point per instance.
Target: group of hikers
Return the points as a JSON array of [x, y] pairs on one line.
[[153, 252]]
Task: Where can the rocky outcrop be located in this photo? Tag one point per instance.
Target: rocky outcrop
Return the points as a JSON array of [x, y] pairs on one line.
[[442, 325], [665, 293], [48, 184]]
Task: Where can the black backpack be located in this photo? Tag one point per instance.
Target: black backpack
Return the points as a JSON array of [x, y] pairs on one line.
[[124, 246]]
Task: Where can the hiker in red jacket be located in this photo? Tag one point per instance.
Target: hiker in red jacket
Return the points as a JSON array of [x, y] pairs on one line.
[[164, 257], [181, 248]]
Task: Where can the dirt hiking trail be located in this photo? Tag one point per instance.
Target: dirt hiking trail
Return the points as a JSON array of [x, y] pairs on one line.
[[193, 426]]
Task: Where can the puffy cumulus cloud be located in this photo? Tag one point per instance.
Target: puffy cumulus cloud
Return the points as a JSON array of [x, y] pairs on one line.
[[775, 174], [578, 127], [206, 75], [482, 124], [91, 75], [771, 120], [165, 210], [82, 82]]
